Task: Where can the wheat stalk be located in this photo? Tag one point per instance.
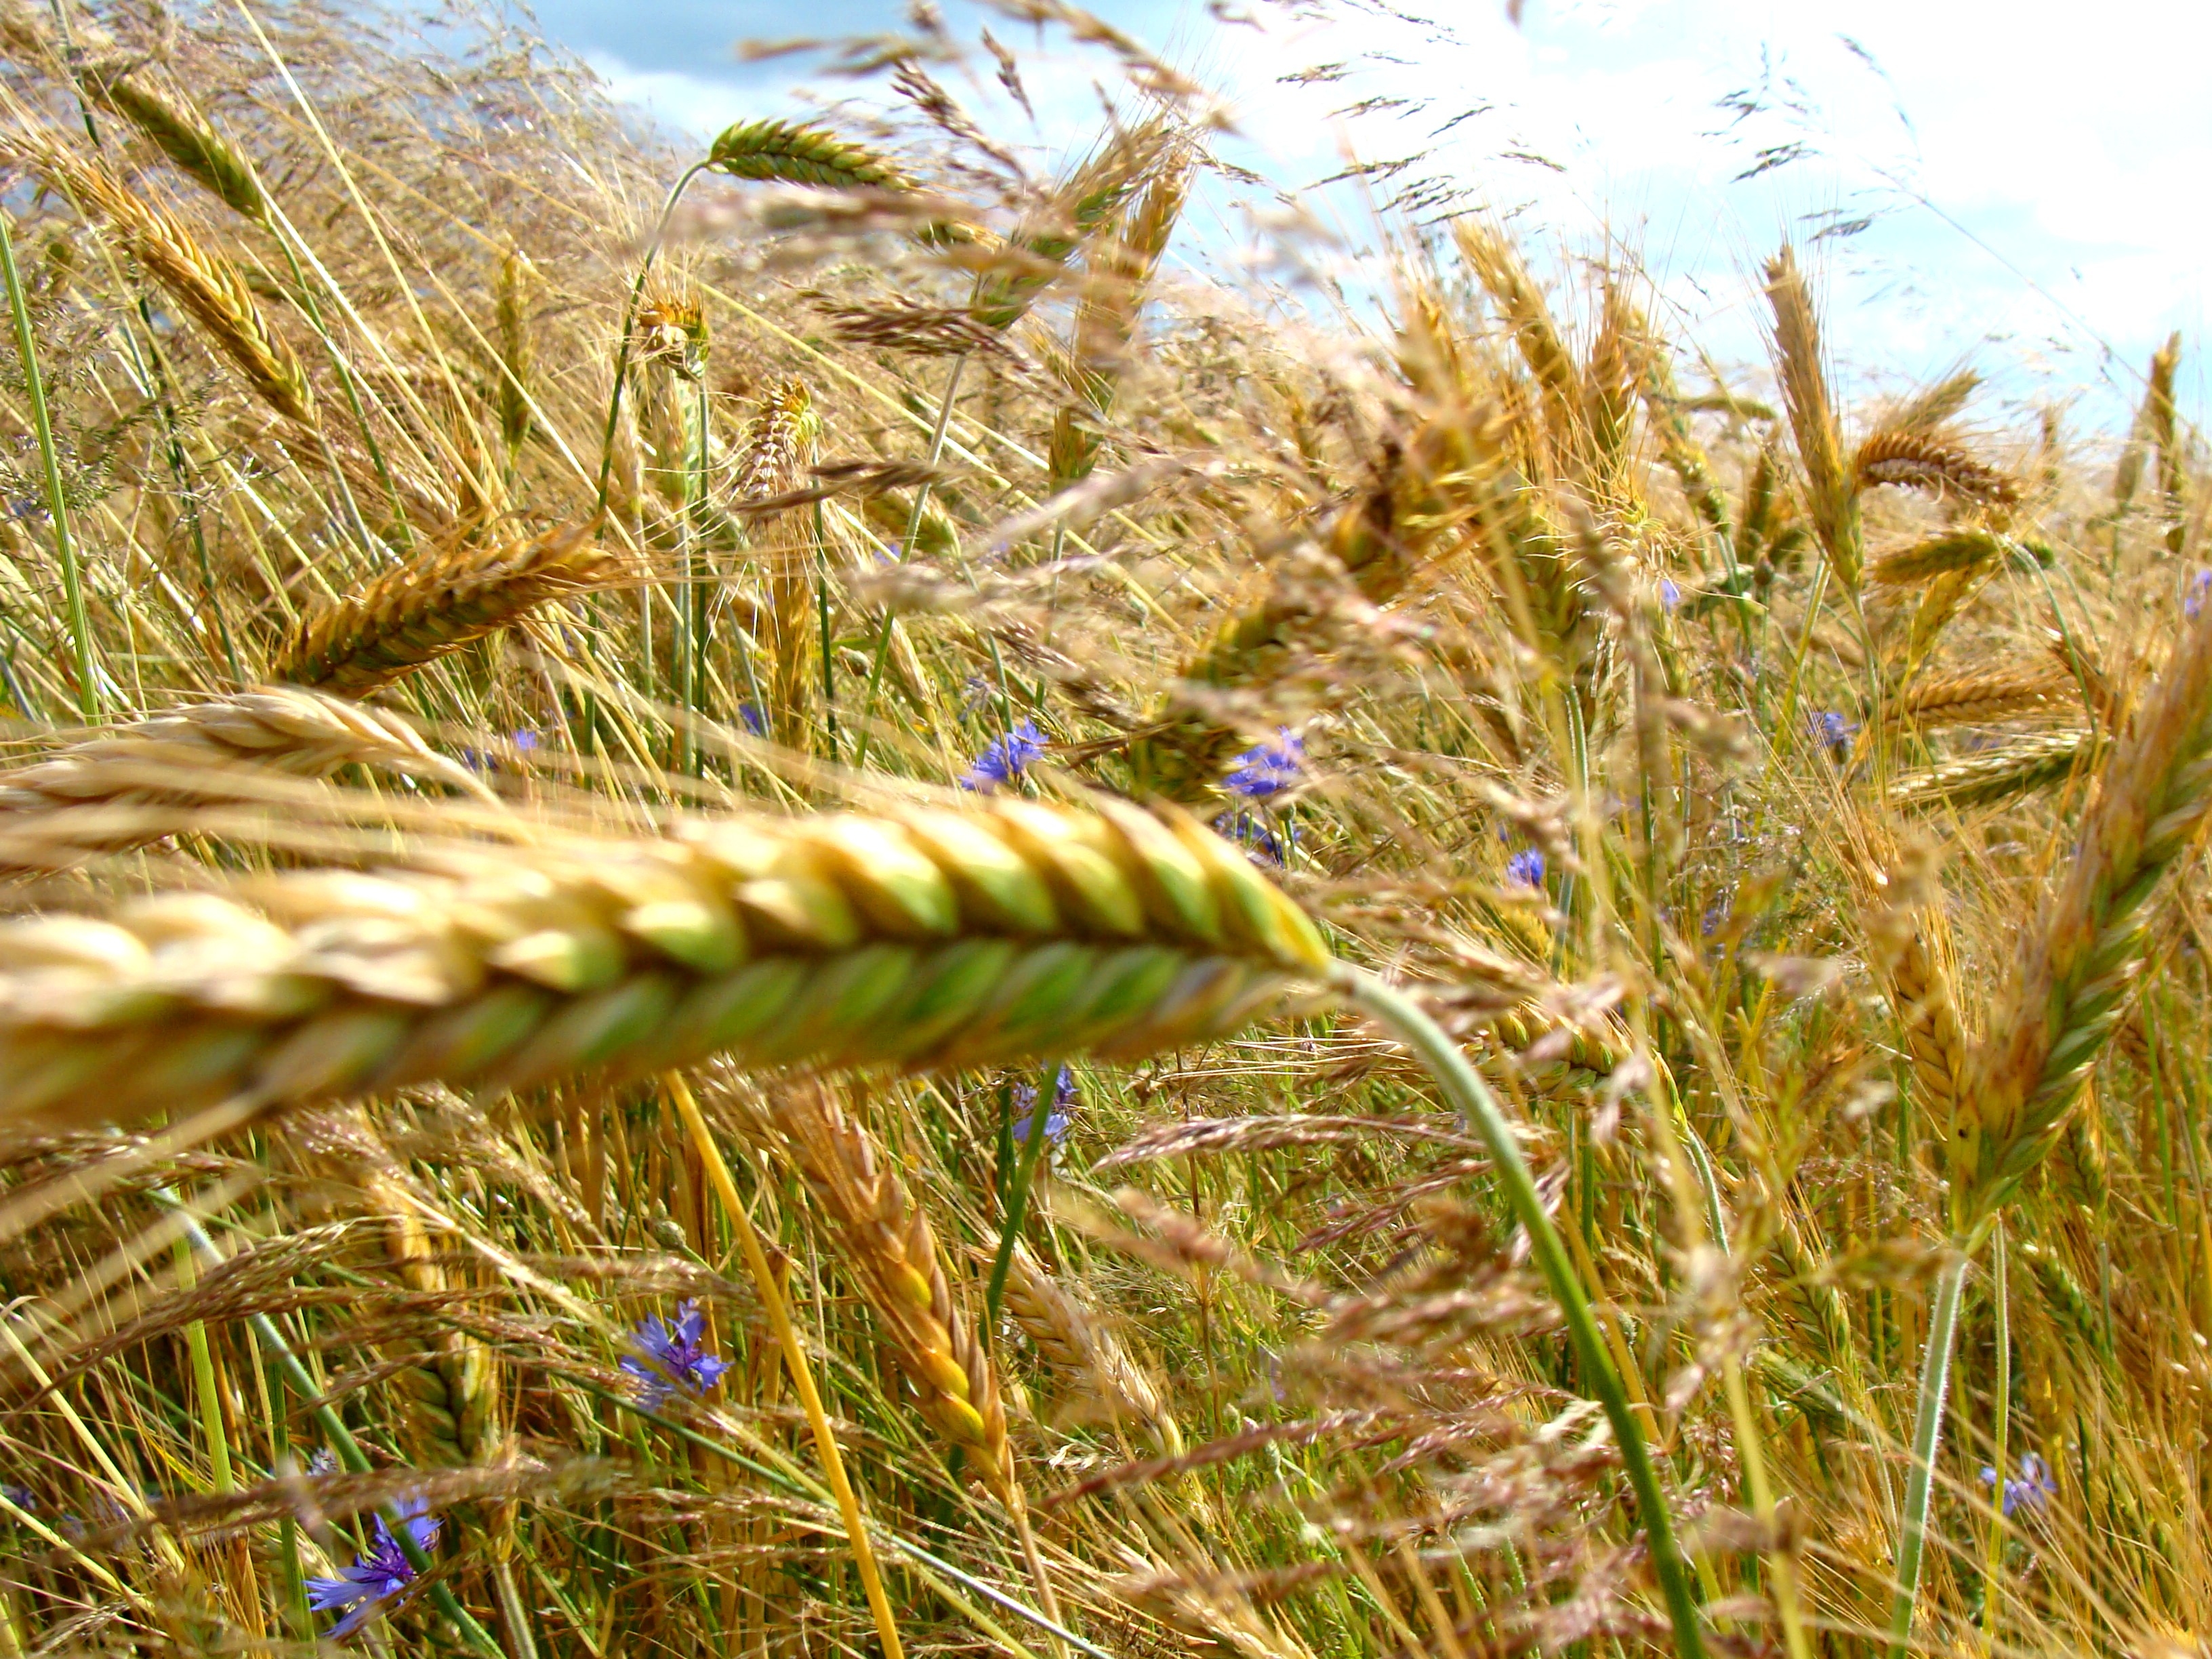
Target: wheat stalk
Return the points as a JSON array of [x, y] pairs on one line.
[[923, 939], [436, 603]]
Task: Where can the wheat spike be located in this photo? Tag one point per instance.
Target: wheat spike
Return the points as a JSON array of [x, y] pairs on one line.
[[2152, 799], [207, 285], [1829, 497], [185, 137], [1921, 996], [436, 603], [451, 1406], [1928, 461], [1069, 1338], [1956, 551], [514, 353], [891, 1251], [801, 155], [2160, 423], [208, 754], [1039, 250], [923, 939], [779, 447], [1999, 694], [2019, 768]]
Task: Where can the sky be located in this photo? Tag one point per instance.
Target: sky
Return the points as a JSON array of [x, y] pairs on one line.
[[2014, 188]]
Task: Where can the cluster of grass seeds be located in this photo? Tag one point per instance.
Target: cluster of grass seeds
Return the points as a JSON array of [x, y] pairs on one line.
[[852, 922]]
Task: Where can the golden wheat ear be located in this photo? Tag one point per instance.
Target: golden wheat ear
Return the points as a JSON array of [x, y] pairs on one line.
[[435, 604], [917, 940], [801, 155]]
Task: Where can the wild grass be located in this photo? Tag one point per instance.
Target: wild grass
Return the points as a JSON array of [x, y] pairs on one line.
[[858, 921]]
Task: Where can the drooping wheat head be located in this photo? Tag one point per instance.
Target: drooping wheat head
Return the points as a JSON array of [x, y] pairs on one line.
[[440, 600], [803, 156], [893, 1252]]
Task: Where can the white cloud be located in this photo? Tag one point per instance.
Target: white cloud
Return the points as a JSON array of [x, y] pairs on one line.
[[2057, 149]]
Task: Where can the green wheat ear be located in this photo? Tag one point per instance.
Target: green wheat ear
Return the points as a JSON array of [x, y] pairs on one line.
[[801, 155], [922, 940]]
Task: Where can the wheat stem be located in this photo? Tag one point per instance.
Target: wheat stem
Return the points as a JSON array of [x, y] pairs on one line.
[[34, 391], [794, 1359], [1927, 1438], [1485, 1119]]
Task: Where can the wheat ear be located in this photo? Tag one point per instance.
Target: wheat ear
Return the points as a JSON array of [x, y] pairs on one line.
[[183, 135], [891, 1251], [801, 155], [1922, 460], [922, 938], [2020, 768], [2152, 798], [1939, 556], [1069, 1338], [779, 447], [436, 603], [2151, 801], [1830, 497], [1998, 693], [207, 285], [208, 754]]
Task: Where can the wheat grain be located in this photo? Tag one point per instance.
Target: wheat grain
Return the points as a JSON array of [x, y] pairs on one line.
[[436, 603], [927, 939]]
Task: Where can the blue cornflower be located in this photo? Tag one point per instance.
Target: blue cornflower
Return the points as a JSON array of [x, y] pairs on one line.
[[322, 1460], [1265, 846], [1526, 868], [384, 1571], [2032, 1491], [673, 1354], [20, 1497], [1670, 595], [1830, 730], [2200, 586], [1065, 1099], [1005, 759], [526, 740], [1268, 769], [755, 721]]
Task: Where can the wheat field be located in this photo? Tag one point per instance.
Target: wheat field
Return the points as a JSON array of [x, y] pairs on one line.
[[779, 902]]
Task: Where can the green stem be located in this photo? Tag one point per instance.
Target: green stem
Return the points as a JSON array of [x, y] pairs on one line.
[[1927, 1437], [34, 390], [629, 316], [1485, 1119], [1018, 1197], [1999, 1428], [203, 1384]]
